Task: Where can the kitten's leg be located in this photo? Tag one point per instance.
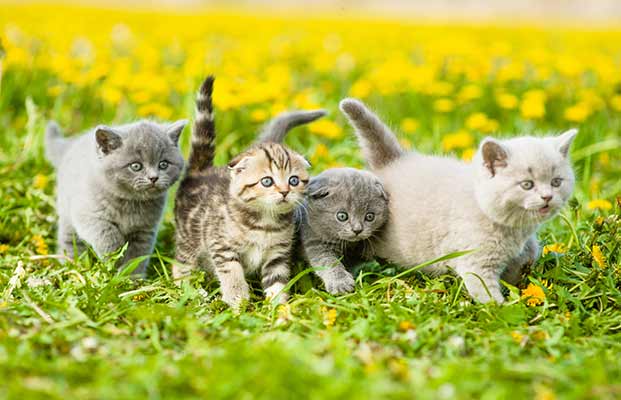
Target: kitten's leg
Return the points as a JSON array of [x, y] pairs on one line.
[[528, 256], [139, 244], [101, 235], [480, 279], [185, 261], [66, 237], [275, 276], [233, 283], [335, 278]]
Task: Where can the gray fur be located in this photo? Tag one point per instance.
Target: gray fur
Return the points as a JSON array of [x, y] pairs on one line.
[[328, 242], [276, 130], [100, 199]]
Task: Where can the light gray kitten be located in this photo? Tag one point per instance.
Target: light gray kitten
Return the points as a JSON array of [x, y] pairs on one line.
[[343, 208], [493, 206], [112, 184]]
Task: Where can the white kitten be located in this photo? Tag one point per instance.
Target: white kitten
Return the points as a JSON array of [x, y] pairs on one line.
[[442, 205]]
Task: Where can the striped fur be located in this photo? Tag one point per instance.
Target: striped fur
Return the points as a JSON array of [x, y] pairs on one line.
[[204, 133], [232, 224]]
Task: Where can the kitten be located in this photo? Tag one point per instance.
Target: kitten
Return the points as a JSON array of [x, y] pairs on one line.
[[239, 219], [493, 206], [112, 184], [343, 208]]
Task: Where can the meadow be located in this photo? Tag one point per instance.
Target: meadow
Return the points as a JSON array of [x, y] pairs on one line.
[[82, 330]]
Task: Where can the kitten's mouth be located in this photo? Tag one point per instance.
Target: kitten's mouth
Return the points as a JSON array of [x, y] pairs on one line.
[[545, 209]]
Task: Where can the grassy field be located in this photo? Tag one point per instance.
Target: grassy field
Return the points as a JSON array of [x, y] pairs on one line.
[[80, 330]]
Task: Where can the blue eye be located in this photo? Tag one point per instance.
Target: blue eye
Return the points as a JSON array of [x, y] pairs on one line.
[[556, 182], [136, 166], [294, 181], [163, 164], [342, 216], [267, 181]]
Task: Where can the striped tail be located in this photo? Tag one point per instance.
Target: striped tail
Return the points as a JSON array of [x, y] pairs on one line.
[[204, 134], [276, 130], [379, 144]]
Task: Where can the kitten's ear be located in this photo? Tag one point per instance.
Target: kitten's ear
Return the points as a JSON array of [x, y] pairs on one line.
[[317, 188], [381, 189], [239, 162], [107, 139], [305, 162], [494, 155], [564, 141], [174, 130]]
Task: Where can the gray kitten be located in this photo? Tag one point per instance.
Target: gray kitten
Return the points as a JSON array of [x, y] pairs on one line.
[[112, 184], [343, 208]]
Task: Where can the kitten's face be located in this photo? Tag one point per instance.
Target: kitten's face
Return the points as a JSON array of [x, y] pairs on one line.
[[269, 178], [524, 181], [346, 204], [143, 160]]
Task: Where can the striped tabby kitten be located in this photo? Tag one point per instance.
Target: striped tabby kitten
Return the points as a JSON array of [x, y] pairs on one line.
[[238, 219]]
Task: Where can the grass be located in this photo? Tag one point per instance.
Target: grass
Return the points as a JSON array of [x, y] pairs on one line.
[[80, 330]]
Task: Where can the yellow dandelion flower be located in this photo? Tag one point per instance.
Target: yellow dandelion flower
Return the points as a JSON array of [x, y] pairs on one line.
[[599, 220], [155, 109], [329, 316], [326, 128], [558, 248], [259, 115], [577, 113], [467, 154], [40, 181], [533, 294], [615, 102], [406, 326], [469, 93], [4, 248], [409, 125], [361, 88], [40, 245], [458, 140], [599, 204], [598, 256], [443, 105], [507, 101], [517, 337], [111, 95], [477, 121], [532, 109], [139, 297]]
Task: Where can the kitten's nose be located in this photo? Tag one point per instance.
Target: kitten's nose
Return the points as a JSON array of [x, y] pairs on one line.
[[153, 179], [546, 198], [357, 230], [284, 193]]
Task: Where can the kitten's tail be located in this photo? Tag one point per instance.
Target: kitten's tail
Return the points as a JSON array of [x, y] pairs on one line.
[[204, 132], [379, 144], [55, 144], [276, 130]]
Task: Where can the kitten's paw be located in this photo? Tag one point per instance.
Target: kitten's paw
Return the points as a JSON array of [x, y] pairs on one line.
[[181, 272], [235, 296], [342, 282], [275, 292], [481, 296]]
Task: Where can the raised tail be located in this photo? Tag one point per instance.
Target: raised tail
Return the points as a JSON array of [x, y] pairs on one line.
[[55, 144], [379, 144], [203, 148], [276, 130]]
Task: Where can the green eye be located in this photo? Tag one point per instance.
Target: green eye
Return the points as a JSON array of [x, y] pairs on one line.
[[342, 216], [163, 164], [527, 185], [267, 181], [136, 166], [556, 182], [369, 217]]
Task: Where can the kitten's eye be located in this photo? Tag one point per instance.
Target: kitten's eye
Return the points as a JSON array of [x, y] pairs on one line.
[[163, 164], [294, 181], [556, 182], [342, 216], [136, 166], [267, 181], [527, 185], [369, 217]]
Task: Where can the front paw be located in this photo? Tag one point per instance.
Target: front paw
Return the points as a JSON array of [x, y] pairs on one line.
[[275, 292], [236, 295], [340, 282], [482, 296]]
